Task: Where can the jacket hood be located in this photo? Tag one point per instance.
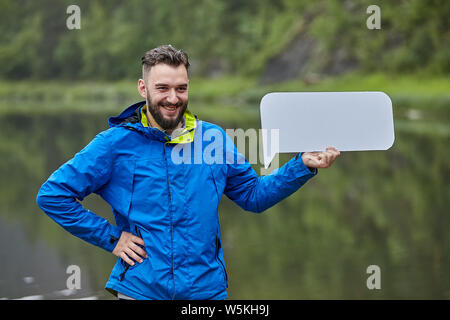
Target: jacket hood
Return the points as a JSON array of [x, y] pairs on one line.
[[134, 119], [129, 112]]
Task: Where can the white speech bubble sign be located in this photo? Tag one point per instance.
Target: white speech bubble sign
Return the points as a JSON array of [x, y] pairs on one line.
[[313, 121]]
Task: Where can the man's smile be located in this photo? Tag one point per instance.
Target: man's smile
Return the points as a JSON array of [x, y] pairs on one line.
[[170, 110]]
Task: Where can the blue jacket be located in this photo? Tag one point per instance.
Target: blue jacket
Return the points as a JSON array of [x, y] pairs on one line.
[[171, 204]]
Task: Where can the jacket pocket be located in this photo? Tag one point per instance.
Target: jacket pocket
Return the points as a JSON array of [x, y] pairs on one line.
[[219, 260], [126, 266]]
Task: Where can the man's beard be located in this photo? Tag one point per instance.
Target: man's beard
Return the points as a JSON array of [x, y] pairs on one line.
[[164, 123]]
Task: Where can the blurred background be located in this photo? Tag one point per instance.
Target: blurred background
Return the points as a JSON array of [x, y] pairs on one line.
[[387, 208]]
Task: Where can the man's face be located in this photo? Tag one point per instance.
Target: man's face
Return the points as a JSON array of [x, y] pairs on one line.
[[166, 93]]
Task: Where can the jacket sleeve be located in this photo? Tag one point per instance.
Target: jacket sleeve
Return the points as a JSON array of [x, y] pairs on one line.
[[258, 193], [85, 173]]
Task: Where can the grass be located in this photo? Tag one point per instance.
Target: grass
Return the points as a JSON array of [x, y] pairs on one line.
[[229, 98], [415, 85]]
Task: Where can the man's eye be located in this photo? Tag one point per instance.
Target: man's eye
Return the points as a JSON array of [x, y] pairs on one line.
[[182, 89]]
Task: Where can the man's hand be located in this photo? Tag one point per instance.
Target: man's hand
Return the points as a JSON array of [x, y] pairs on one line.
[[320, 159], [128, 248]]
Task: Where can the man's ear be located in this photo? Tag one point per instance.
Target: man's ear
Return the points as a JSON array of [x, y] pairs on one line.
[[141, 88]]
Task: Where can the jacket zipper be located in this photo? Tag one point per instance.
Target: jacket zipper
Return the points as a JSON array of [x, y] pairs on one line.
[[218, 246], [171, 222], [122, 275]]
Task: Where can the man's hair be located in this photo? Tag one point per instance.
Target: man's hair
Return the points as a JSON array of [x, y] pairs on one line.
[[163, 54]]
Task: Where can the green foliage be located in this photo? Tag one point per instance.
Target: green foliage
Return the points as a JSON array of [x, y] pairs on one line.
[[220, 36]]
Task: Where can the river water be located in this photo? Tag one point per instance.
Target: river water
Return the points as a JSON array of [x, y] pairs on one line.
[[387, 208]]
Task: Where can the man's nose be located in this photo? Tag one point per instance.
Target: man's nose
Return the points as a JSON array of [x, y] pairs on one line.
[[172, 97]]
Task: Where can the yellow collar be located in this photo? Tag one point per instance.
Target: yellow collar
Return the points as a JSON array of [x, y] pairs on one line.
[[187, 133]]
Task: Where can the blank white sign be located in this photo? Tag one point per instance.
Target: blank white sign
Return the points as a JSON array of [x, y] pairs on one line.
[[313, 121]]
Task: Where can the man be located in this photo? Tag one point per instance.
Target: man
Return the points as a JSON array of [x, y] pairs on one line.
[[167, 233]]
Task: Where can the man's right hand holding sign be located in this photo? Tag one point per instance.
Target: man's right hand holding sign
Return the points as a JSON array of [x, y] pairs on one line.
[[320, 159]]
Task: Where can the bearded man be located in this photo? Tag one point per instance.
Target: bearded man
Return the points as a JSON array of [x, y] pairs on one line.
[[166, 235]]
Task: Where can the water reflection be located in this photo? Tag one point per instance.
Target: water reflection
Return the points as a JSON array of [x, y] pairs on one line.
[[31, 269], [384, 208]]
